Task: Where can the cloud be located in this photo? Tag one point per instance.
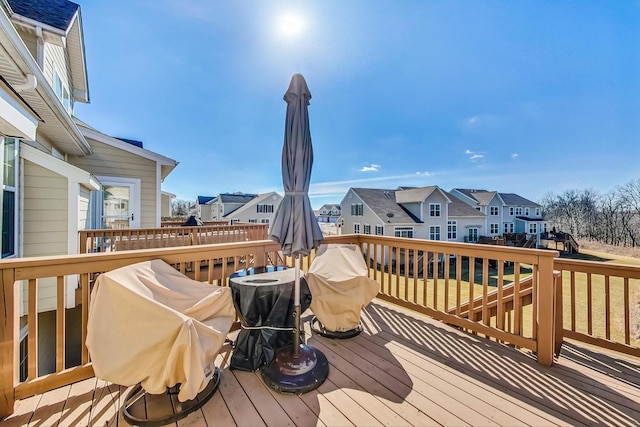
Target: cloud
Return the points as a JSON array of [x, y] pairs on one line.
[[472, 120], [468, 152], [515, 156], [476, 157], [372, 168], [425, 173]]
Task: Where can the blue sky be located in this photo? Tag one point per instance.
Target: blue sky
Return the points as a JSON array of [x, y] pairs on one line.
[[527, 97]]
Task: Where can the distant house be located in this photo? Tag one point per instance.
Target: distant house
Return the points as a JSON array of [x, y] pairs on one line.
[[328, 213], [259, 210], [203, 207], [239, 207], [425, 212], [506, 212]]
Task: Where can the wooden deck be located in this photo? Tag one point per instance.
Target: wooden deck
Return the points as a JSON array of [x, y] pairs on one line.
[[404, 369]]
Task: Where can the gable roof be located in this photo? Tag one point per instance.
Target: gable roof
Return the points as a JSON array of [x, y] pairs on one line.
[[236, 197], [253, 202], [383, 204], [512, 199], [416, 195], [55, 13], [459, 208], [201, 200]]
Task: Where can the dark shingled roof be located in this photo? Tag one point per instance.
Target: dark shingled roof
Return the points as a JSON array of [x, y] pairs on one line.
[[383, 202], [459, 208], [132, 142], [236, 197], [204, 199], [511, 199], [55, 13]]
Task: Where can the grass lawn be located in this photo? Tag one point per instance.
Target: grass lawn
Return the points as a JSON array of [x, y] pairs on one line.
[[414, 290]]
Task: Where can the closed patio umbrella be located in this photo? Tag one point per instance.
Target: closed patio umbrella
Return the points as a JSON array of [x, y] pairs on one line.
[[300, 368]]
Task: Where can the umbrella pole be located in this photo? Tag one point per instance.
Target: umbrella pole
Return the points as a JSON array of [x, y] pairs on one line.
[[296, 308]]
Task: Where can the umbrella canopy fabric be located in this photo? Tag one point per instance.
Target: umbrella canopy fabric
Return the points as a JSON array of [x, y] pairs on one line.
[[295, 225]]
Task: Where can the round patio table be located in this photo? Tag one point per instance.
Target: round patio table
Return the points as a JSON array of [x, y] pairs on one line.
[[264, 302]]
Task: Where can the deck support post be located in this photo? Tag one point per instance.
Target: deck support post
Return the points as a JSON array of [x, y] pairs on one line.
[[8, 341], [558, 319], [545, 317]]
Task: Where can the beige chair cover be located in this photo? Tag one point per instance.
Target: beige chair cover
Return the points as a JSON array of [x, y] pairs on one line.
[[150, 324], [340, 286]]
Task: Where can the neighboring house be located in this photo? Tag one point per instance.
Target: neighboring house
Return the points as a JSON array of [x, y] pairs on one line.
[[425, 213], [166, 205], [226, 203], [259, 210], [204, 207], [505, 212], [59, 174], [328, 213]]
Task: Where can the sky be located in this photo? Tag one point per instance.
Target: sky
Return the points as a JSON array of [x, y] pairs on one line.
[[527, 97]]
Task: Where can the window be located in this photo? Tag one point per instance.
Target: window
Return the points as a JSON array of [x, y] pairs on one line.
[[511, 211], [434, 232], [537, 211], [478, 208], [526, 211], [379, 230], [9, 171], [472, 234], [264, 220], [62, 91], [518, 211], [434, 209], [357, 209], [508, 227], [494, 210], [253, 220], [356, 228], [234, 220], [367, 229], [403, 232], [533, 228], [452, 230], [494, 228], [263, 208]]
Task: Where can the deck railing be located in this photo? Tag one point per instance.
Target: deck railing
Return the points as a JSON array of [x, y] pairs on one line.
[[167, 237], [601, 304], [503, 293], [179, 222]]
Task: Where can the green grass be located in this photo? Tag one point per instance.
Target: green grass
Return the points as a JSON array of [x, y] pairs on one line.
[[406, 288]]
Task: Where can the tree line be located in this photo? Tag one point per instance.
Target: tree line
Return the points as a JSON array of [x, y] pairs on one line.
[[612, 218]]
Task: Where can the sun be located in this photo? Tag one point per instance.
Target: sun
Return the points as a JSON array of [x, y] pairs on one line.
[[291, 25]]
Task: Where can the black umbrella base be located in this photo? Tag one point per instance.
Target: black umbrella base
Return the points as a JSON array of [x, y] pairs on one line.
[[319, 329], [152, 410], [290, 374]]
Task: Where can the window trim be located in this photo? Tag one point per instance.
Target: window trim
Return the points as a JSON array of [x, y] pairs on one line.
[[435, 210]]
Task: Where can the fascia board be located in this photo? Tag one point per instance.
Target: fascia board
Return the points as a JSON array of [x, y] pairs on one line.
[[116, 143], [24, 58], [71, 172]]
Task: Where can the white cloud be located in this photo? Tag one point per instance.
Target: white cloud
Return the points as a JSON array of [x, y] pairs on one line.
[[476, 157], [425, 173], [468, 152], [472, 120], [515, 156], [372, 168]]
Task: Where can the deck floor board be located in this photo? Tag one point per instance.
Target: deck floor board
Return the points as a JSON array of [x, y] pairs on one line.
[[404, 369]]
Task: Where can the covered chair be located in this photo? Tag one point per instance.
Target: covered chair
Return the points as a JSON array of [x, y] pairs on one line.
[[151, 326], [340, 286]]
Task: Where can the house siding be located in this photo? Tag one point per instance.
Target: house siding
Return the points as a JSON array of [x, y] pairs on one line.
[[368, 216], [83, 209], [45, 224], [55, 59], [110, 161]]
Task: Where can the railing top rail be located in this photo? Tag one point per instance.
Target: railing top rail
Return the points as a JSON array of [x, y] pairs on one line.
[[598, 267], [71, 264], [472, 249]]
